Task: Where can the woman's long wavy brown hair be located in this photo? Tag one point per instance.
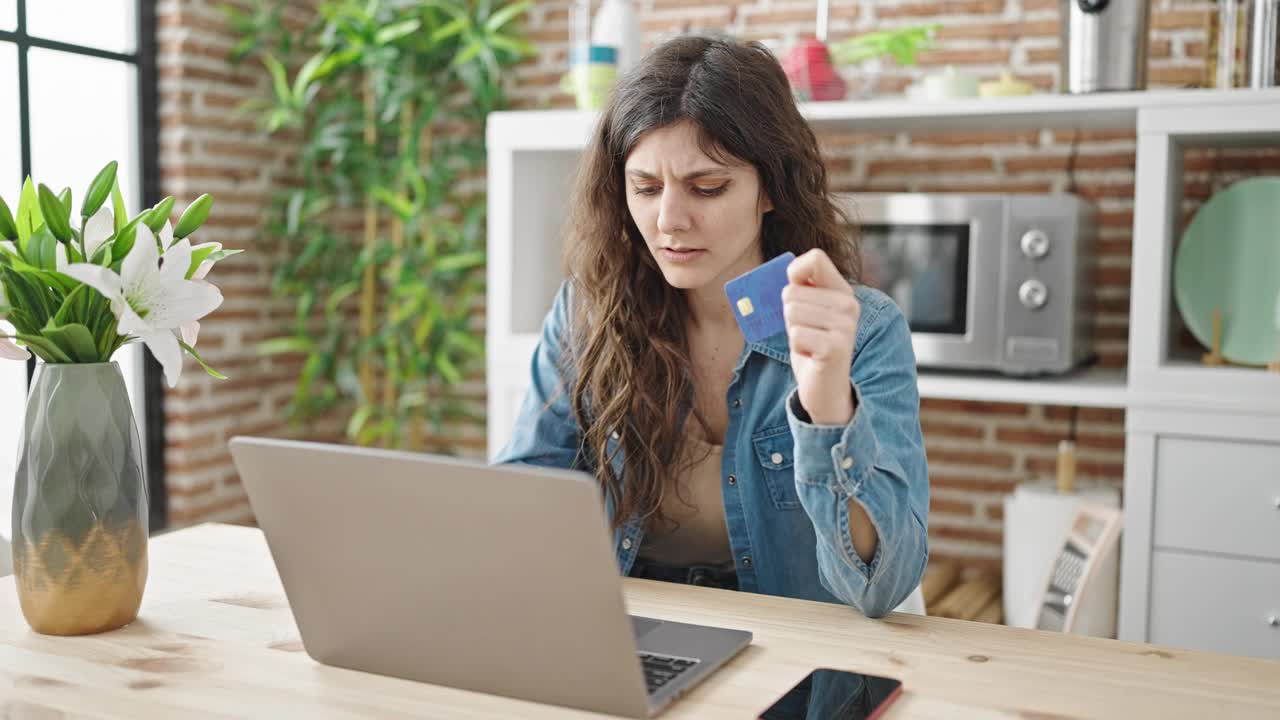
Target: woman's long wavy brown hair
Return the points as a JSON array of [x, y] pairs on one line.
[[630, 358]]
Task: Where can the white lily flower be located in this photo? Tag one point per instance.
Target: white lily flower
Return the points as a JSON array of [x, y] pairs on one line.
[[191, 330], [151, 299], [8, 350], [97, 229]]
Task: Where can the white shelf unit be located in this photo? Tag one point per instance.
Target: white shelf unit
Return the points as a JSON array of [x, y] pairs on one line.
[[534, 154]]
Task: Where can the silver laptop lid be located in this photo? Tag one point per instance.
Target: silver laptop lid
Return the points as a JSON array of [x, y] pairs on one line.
[[495, 579]]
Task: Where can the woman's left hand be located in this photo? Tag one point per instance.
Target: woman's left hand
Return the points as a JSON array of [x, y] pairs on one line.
[[822, 321]]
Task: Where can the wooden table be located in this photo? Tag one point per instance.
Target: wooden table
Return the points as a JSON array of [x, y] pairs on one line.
[[215, 639]]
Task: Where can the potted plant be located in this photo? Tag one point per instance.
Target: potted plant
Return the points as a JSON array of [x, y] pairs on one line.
[[73, 296], [389, 100]]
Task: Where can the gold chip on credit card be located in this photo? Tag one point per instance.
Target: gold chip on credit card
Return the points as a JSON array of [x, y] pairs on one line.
[[744, 306]]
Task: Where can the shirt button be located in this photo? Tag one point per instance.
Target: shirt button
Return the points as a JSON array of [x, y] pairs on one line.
[[733, 479], [746, 561], [776, 458], [626, 543], [737, 402], [846, 463]]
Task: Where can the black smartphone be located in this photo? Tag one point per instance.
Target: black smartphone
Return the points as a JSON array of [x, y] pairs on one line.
[[826, 694]]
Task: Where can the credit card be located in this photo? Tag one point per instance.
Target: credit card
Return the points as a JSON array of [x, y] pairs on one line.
[[756, 297]]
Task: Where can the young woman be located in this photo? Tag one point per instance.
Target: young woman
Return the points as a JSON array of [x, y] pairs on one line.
[[793, 466]]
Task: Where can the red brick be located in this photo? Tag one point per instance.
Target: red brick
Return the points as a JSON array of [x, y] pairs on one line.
[[918, 166], [929, 10], [980, 483], [950, 507], [1179, 19], [1028, 436], [973, 407], [934, 428], [998, 30], [980, 535], [1043, 55], [982, 139], [1057, 163], [979, 457], [1193, 76], [1089, 468], [965, 56]]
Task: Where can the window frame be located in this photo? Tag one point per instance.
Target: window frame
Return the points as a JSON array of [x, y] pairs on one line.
[[144, 59]]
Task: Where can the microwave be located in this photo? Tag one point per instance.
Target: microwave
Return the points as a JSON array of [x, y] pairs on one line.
[[987, 282]]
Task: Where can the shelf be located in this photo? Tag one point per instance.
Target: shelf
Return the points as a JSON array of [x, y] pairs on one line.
[[569, 129], [1087, 388]]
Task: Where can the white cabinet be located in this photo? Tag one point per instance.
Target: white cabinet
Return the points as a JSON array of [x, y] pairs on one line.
[[1201, 555], [1207, 602], [1220, 496]]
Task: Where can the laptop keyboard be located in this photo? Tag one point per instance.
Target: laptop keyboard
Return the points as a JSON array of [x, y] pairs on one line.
[[660, 670]]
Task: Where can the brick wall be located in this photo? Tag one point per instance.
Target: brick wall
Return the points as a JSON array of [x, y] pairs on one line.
[[205, 146], [978, 451]]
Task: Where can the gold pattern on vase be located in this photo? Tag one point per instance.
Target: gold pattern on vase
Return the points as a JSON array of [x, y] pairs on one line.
[[97, 586]]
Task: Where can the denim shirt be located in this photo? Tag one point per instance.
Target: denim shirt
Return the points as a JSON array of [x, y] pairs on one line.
[[786, 482]]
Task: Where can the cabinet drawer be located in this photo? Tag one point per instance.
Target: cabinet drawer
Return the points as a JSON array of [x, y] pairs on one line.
[[1221, 604], [1218, 496]]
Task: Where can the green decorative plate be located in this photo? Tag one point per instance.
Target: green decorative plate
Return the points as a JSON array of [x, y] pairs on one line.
[[1230, 259]]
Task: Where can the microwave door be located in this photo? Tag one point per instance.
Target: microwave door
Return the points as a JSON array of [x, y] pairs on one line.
[[935, 256]]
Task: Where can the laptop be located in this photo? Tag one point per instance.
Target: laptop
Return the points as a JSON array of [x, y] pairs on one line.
[[498, 579]]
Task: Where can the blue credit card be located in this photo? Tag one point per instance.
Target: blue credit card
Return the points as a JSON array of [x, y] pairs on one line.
[[756, 297]]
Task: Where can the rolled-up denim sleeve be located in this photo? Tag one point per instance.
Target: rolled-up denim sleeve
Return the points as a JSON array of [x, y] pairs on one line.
[[878, 460], [546, 432]]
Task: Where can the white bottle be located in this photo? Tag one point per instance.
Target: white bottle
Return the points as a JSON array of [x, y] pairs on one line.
[[616, 25]]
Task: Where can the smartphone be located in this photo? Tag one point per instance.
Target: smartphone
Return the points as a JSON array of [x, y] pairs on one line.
[[827, 694]]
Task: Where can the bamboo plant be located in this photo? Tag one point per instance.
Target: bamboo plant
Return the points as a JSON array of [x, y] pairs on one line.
[[390, 100]]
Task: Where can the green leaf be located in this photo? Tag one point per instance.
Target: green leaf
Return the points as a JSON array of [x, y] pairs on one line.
[[29, 216], [44, 347], [156, 217], [41, 248], [448, 30], [75, 341], [468, 53], [447, 369], [8, 230], [117, 206], [53, 209], [285, 345], [358, 419], [194, 216], [395, 31], [398, 203], [462, 261], [98, 190], [306, 75], [65, 198], [336, 61], [506, 14], [522, 48], [279, 78], [203, 364], [462, 340]]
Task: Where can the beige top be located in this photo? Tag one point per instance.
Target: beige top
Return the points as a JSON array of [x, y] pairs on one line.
[[693, 530]]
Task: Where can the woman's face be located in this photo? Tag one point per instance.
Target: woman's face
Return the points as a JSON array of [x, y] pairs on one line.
[[700, 218]]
